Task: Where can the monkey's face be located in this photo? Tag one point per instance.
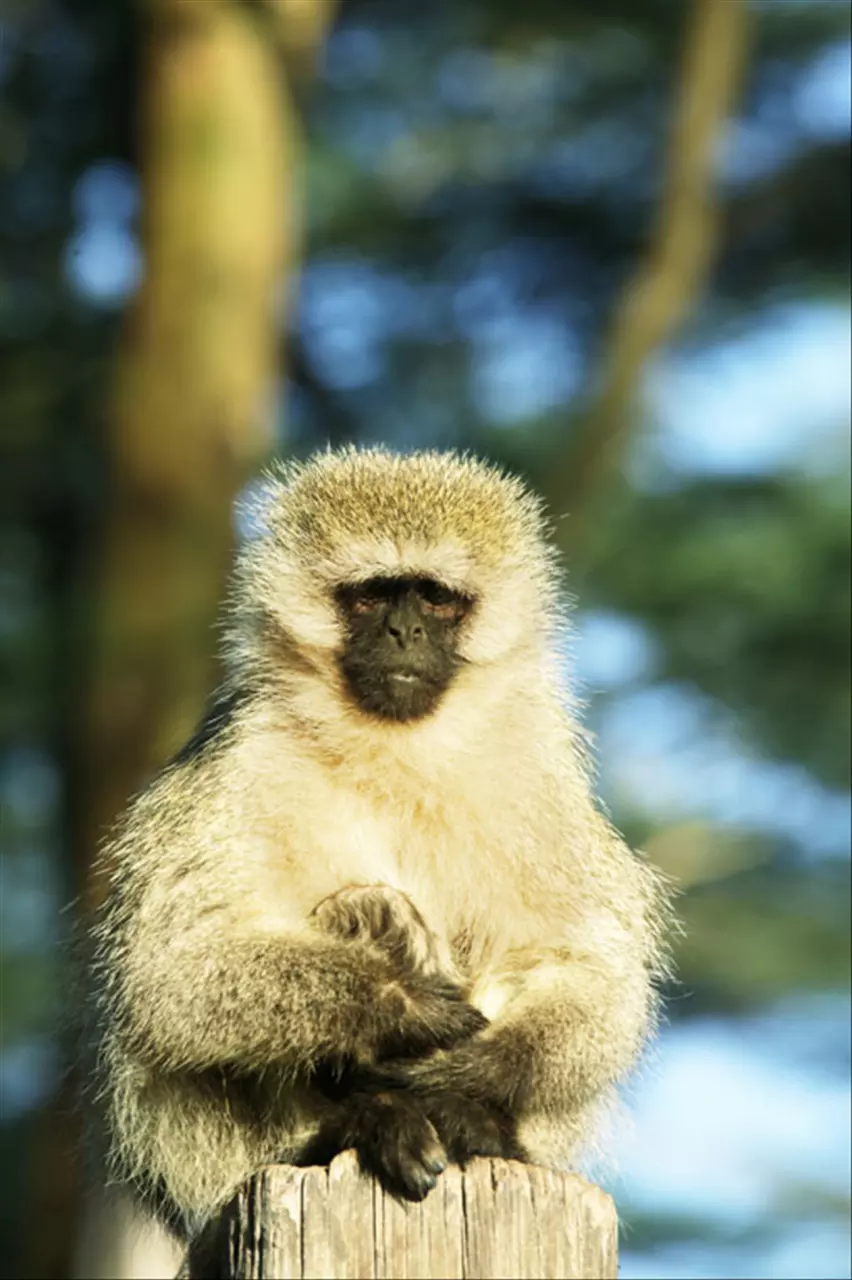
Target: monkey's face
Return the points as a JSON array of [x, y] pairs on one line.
[[401, 648]]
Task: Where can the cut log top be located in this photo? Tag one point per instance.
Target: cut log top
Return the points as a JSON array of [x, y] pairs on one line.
[[497, 1218]]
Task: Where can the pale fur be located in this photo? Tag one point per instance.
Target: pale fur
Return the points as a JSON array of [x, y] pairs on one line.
[[481, 813]]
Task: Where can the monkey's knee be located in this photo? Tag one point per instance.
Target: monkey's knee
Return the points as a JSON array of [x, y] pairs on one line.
[[384, 917]]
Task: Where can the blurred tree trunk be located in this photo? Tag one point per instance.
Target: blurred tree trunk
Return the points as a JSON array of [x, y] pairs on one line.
[[192, 409], [189, 419], [669, 281]]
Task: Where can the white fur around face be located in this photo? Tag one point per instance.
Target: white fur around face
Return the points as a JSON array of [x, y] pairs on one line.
[[507, 600], [363, 558]]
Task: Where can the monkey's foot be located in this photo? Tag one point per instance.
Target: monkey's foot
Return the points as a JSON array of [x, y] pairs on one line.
[[468, 1128], [385, 917], [467, 1121], [395, 1142]]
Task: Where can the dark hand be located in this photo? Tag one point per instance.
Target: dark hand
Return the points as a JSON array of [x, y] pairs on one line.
[[420, 1014], [418, 1008]]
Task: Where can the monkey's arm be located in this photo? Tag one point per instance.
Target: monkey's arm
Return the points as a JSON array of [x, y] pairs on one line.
[[248, 1002], [206, 953]]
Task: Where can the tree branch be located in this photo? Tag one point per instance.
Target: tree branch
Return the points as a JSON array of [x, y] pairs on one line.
[[667, 283]]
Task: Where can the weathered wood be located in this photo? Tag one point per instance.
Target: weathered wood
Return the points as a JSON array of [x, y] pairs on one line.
[[497, 1218]]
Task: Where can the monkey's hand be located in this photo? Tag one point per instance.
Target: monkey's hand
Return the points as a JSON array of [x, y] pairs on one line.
[[383, 917], [421, 1008], [418, 1014]]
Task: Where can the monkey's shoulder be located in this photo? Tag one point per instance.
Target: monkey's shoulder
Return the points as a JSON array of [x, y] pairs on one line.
[[216, 726]]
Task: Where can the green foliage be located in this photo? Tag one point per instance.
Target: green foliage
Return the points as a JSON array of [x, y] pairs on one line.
[[771, 931], [747, 586]]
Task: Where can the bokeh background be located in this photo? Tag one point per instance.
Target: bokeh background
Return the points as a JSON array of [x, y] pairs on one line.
[[604, 242]]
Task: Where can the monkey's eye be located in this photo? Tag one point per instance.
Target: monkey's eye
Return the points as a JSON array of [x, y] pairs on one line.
[[363, 597], [363, 603], [442, 601], [434, 593]]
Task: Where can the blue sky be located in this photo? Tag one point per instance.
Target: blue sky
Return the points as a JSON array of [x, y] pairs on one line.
[[737, 1125], [775, 395]]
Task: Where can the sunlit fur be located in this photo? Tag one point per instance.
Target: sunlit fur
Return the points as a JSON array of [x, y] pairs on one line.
[[481, 812]]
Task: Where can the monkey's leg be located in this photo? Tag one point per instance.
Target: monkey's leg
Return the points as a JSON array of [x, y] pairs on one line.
[[386, 917], [406, 1136], [391, 1114]]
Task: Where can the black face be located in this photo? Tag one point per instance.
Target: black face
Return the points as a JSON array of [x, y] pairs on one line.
[[401, 651]]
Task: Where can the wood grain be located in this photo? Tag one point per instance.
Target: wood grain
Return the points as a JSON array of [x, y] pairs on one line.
[[497, 1218]]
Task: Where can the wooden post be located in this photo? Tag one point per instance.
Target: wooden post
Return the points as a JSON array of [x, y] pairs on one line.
[[497, 1218]]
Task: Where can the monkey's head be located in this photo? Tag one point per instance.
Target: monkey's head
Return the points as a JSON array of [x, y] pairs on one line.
[[391, 578]]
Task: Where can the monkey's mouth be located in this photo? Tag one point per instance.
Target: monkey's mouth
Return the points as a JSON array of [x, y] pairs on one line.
[[402, 693]]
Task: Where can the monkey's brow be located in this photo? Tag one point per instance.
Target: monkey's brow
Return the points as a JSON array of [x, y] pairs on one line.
[[392, 583]]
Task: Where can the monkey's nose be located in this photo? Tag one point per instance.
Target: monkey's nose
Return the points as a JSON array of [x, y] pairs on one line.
[[405, 630]]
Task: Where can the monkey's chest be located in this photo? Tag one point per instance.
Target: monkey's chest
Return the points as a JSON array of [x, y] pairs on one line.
[[447, 862]]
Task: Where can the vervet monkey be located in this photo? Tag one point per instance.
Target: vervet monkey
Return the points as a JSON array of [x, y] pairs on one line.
[[372, 902]]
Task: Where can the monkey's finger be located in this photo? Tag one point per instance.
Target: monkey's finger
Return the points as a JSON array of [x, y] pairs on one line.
[[446, 1015]]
